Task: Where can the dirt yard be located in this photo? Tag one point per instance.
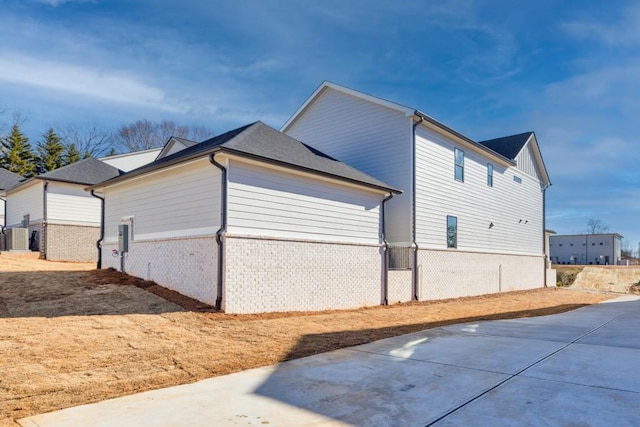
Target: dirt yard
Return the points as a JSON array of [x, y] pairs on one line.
[[70, 336]]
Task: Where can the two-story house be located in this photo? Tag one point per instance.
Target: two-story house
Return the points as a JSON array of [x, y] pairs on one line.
[[471, 218]]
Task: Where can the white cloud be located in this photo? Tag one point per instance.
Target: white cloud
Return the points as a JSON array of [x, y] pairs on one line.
[[106, 85], [624, 32], [56, 3]]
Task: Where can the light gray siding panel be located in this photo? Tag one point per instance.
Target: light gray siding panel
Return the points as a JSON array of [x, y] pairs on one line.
[[170, 202], [269, 202], [25, 201], [69, 203], [514, 208], [367, 136], [526, 162]]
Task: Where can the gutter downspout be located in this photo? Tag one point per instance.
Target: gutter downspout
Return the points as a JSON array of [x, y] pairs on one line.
[[43, 238], [385, 259], [4, 223], [414, 243], [544, 232], [222, 231], [99, 241]]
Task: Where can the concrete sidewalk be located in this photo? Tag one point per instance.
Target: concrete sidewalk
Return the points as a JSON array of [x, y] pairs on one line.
[[576, 368]]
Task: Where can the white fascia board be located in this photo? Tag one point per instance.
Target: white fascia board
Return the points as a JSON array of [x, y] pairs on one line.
[[533, 141], [328, 85]]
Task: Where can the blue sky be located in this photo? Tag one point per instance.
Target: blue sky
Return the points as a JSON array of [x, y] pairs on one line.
[[568, 70]]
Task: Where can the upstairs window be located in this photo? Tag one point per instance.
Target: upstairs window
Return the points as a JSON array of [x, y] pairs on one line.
[[489, 174], [517, 179], [452, 232], [459, 161]]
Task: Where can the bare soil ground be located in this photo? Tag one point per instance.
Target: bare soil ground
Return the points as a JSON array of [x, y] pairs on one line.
[[70, 335]]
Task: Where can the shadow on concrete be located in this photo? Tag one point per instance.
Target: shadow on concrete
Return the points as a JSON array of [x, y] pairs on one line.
[[371, 391], [73, 293]]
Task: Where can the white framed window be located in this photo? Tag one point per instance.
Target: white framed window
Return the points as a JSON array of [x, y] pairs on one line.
[[452, 231], [459, 164], [489, 174], [517, 179]]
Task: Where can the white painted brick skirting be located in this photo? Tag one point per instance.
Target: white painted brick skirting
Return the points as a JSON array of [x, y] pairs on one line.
[[451, 274], [269, 275], [185, 265]]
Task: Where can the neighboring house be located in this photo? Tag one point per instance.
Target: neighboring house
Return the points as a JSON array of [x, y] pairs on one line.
[[174, 145], [7, 180], [471, 217], [603, 249], [250, 221], [129, 161], [63, 219]]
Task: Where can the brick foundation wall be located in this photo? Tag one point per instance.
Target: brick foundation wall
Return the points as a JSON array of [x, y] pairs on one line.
[[269, 275], [451, 274], [69, 242], [399, 284], [185, 265]]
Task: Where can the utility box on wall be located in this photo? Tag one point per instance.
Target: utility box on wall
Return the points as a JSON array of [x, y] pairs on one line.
[[123, 238]]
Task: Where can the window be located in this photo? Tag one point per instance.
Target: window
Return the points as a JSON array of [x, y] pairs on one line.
[[459, 160], [517, 179], [600, 243], [489, 174], [452, 232], [560, 244], [571, 244]]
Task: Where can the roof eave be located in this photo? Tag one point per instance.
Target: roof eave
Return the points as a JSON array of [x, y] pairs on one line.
[[538, 155], [457, 135], [222, 149]]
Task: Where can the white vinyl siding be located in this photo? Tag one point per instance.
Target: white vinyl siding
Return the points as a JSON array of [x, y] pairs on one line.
[[369, 137], [70, 204], [514, 209], [176, 202], [27, 200], [131, 161], [526, 162], [274, 203]]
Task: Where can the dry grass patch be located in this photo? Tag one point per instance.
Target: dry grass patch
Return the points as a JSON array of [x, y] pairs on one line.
[[105, 338]]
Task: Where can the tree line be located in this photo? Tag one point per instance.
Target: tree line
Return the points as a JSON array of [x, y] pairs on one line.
[[61, 147]]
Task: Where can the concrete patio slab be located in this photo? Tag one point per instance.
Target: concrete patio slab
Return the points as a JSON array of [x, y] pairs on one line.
[[535, 402], [554, 370], [448, 348]]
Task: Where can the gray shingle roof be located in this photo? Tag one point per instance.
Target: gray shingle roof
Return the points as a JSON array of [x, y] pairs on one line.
[[262, 142], [8, 179], [508, 146], [186, 142], [88, 171]]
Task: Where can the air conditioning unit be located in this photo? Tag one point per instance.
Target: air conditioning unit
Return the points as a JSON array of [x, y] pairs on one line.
[[17, 239]]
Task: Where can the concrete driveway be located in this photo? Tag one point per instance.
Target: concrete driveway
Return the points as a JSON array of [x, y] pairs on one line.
[[579, 368]]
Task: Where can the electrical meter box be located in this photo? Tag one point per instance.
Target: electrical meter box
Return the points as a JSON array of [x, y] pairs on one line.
[[123, 238]]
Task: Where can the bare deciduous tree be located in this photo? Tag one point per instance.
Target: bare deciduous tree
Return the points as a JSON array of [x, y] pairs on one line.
[[596, 226], [88, 139], [145, 134]]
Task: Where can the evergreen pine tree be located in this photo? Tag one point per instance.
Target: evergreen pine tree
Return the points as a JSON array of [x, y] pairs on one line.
[[71, 154], [16, 154], [50, 152]]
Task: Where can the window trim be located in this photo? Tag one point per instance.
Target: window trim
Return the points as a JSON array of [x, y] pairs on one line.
[[455, 233], [457, 151]]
